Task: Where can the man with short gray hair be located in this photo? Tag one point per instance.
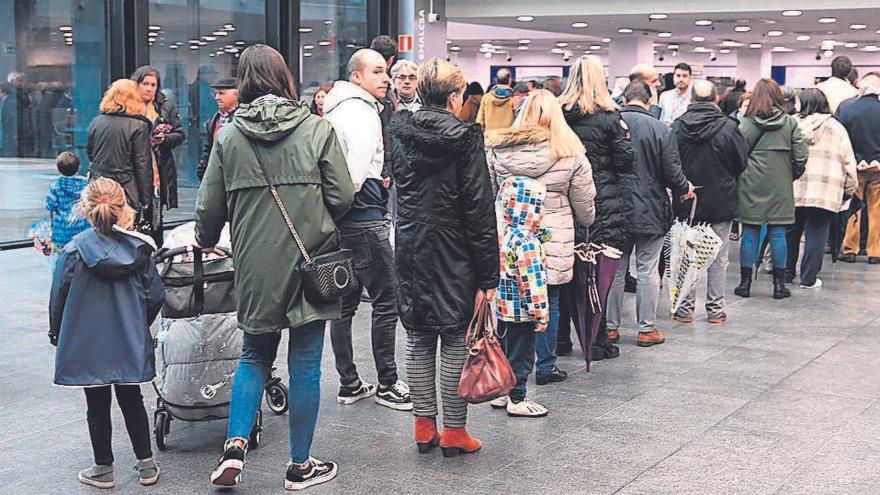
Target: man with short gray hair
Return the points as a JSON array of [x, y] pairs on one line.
[[405, 76]]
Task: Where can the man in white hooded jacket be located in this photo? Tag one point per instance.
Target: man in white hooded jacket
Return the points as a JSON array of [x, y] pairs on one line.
[[353, 108]]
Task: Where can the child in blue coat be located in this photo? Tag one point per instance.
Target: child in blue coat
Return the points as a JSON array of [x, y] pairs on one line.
[[105, 293], [62, 204]]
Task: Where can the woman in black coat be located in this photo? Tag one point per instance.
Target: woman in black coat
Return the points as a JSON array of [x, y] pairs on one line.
[[446, 246], [118, 144]]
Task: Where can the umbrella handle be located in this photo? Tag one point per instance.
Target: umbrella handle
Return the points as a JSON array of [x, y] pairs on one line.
[[693, 210]]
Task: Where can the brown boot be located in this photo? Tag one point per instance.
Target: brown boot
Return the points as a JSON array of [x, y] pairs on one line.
[[647, 339], [454, 441], [683, 318], [613, 336], [426, 434]]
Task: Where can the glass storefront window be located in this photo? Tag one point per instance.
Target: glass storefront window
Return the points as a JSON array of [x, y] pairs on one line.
[[193, 43], [53, 68]]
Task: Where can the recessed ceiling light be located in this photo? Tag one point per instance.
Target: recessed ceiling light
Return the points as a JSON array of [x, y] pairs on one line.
[[724, 50], [730, 43], [212, 55], [240, 42], [523, 47], [328, 22], [324, 43], [151, 39], [153, 34], [68, 35], [872, 48], [595, 47], [172, 47], [698, 39], [454, 48], [850, 45], [701, 49], [65, 29], [775, 33], [231, 50], [308, 47], [803, 37], [486, 45], [782, 49], [561, 44], [194, 47], [624, 30], [672, 46], [220, 32], [305, 29], [828, 53], [203, 43], [791, 13], [827, 20], [485, 49], [307, 54], [703, 22], [524, 42], [525, 18], [154, 27], [579, 25], [487, 55], [209, 38], [742, 29], [558, 51], [658, 17], [664, 34], [858, 27], [606, 40], [229, 27], [755, 45]]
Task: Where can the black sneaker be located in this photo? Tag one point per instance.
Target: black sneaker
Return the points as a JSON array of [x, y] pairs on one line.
[[348, 395], [552, 376], [316, 473], [395, 396], [228, 472]]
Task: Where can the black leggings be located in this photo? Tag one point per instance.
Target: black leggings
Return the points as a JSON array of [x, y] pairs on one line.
[[131, 402]]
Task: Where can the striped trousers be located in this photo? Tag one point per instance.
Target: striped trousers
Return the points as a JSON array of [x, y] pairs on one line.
[[421, 372]]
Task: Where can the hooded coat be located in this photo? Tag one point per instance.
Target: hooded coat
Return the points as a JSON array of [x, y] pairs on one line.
[[713, 156], [496, 108], [525, 151], [303, 158], [105, 294], [830, 176], [165, 158], [607, 139], [778, 156], [446, 236]]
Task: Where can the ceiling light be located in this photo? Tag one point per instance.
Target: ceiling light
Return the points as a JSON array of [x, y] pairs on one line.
[[307, 54], [561, 44], [701, 49], [579, 25], [775, 33], [220, 33], [153, 34], [724, 50], [624, 30], [672, 46], [240, 42], [595, 47], [305, 29], [858, 27], [231, 50], [485, 49], [228, 46], [308, 47], [486, 45], [702, 22], [65, 29], [173, 47], [328, 22], [782, 49], [524, 42], [151, 40], [698, 39], [525, 18], [742, 29], [209, 38], [755, 45], [872, 48], [558, 51], [203, 43], [523, 47], [658, 17], [827, 20], [193, 47], [228, 27], [324, 43], [850, 45], [664, 34], [828, 53], [730, 43], [154, 27], [193, 42], [606, 40], [803, 37], [68, 35], [791, 13], [487, 55], [454, 48], [877, 31]]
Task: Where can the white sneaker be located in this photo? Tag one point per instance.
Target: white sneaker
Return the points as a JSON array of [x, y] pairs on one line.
[[526, 409], [396, 396], [816, 285], [347, 396], [500, 403]]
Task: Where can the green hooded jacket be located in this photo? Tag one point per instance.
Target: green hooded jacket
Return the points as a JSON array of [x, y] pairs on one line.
[[303, 157], [778, 157]]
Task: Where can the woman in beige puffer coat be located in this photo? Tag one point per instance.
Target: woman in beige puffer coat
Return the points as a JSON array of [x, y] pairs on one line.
[[542, 146]]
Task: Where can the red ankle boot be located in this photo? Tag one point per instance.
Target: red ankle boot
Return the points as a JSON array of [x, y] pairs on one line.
[[426, 434], [454, 441]]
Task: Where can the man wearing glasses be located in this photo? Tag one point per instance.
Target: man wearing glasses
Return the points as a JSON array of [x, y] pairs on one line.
[[404, 74]]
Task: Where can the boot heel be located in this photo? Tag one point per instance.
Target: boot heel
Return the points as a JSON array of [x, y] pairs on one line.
[[424, 448], [450, 451]]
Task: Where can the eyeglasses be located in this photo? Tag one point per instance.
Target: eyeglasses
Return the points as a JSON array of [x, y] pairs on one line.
[[404, 78]]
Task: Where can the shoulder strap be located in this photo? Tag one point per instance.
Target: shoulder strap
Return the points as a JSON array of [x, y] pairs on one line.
[[755, 144], [274, 191]]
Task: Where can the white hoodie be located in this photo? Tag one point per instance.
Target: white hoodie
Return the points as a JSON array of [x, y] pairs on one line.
[[354, 114]]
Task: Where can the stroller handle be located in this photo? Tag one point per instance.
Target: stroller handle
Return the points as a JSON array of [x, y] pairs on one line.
[[165, 253]]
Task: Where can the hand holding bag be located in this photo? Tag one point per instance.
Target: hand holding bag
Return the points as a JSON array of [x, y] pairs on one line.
[[487, 374]]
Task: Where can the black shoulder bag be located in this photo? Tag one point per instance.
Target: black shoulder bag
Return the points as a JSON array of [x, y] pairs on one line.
[[326, 277]]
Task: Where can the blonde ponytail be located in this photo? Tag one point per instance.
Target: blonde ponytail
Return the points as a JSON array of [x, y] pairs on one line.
[[104, 205]]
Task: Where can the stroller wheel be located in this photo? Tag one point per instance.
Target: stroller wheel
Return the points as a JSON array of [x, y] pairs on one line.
[[277, 397], [161, 427], [256, 432]]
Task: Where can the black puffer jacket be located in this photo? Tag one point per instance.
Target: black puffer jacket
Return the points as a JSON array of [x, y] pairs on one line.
[[609, 150], [657, 167], [118, 147], [713, 155], [446, 237], [173, 138]]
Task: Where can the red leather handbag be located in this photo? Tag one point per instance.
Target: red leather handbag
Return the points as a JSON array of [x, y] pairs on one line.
[[487, 374]]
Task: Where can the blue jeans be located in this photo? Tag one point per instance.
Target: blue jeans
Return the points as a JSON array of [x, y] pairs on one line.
[[750, 245], [304, 350], [546, 342], [519, 347]]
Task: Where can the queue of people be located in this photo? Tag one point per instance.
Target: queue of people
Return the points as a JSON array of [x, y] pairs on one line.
[[490, 202]]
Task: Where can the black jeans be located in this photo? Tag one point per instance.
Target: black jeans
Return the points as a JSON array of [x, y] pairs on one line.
[[519, 347], [374, 264], [131, 402], [813, 223]]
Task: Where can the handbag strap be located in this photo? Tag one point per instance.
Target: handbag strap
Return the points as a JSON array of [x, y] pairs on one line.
[[755, 144], [274, 191]]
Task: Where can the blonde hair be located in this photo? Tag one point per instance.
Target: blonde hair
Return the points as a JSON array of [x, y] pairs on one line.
[[437, 80], [586, 87], [542, 109], [103, 204], [123, 97]]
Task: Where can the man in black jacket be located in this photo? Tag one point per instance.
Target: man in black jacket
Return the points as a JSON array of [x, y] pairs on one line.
[[713, 156], [656, 167], [226, 96]]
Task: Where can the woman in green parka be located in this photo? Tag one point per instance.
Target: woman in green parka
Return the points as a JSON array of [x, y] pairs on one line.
[[303, 158], [777, 158]]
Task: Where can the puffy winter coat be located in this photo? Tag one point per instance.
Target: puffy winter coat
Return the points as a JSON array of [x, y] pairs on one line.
[[165, 158], [118, 147], [829, 178], [713, 156], [525, 151], [446, 237], [105, 294], [777, 159], [657, 167], [303, 157], [607, 140]]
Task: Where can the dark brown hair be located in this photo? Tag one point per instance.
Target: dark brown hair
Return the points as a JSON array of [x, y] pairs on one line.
[[67, 163], [767, 98], [262, 71], [143, 71]]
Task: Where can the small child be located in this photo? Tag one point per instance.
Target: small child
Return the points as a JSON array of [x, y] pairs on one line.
[[105, 293], [64, 193], [522, 305]]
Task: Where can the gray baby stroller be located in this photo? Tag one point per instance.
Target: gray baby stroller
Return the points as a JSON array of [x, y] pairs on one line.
[[199, 344]]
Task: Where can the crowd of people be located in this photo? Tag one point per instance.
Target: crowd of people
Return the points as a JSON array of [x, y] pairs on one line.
[[448, 198]]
